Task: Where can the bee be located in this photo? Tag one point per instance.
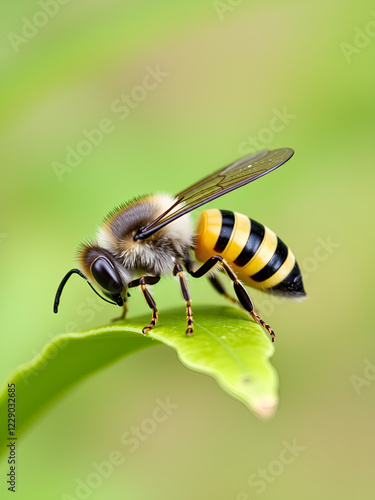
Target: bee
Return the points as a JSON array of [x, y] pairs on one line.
[[151, 236]]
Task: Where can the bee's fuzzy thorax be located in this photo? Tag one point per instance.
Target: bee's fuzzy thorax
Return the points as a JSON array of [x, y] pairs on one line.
[[122, 207], [157, 254]]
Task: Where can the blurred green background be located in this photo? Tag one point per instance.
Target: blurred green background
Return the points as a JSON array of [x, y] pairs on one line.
[[227, 71]]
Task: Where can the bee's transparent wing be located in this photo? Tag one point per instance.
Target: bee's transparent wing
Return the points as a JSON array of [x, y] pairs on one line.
[[223, 181]]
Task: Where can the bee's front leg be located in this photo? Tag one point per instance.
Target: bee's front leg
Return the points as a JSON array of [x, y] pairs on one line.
[[142, 282], [151, 304], [123, 314]]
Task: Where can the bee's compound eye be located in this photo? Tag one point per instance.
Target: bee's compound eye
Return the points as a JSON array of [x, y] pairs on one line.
[[106, 275]]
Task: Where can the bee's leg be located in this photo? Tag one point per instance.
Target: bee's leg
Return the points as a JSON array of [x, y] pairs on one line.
[[240, 290], [142, 282], [178, 271], [151, 304], [216, 283], [122, 316], [247, 303]]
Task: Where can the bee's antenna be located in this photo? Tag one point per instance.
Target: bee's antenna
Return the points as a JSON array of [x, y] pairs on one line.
[[63, 282]]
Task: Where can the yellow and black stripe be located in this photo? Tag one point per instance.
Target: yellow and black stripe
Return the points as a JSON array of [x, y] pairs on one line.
[[258, 257]]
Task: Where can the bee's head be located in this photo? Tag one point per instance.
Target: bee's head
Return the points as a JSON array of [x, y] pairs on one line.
[[101, 270]]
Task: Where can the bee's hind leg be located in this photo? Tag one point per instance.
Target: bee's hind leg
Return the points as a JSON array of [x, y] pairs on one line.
[[248, 305], [216, 283], [240, 290]]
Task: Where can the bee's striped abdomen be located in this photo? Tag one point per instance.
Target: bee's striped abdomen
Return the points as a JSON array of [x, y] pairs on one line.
[[258, 257]]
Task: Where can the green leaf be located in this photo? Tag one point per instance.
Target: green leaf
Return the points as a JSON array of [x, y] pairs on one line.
[[226, 345]]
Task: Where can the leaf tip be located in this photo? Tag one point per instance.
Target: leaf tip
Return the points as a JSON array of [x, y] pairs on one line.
[[265, 407]]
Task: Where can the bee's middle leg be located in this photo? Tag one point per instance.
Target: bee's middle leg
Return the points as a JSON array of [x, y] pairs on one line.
[[178, 271]]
